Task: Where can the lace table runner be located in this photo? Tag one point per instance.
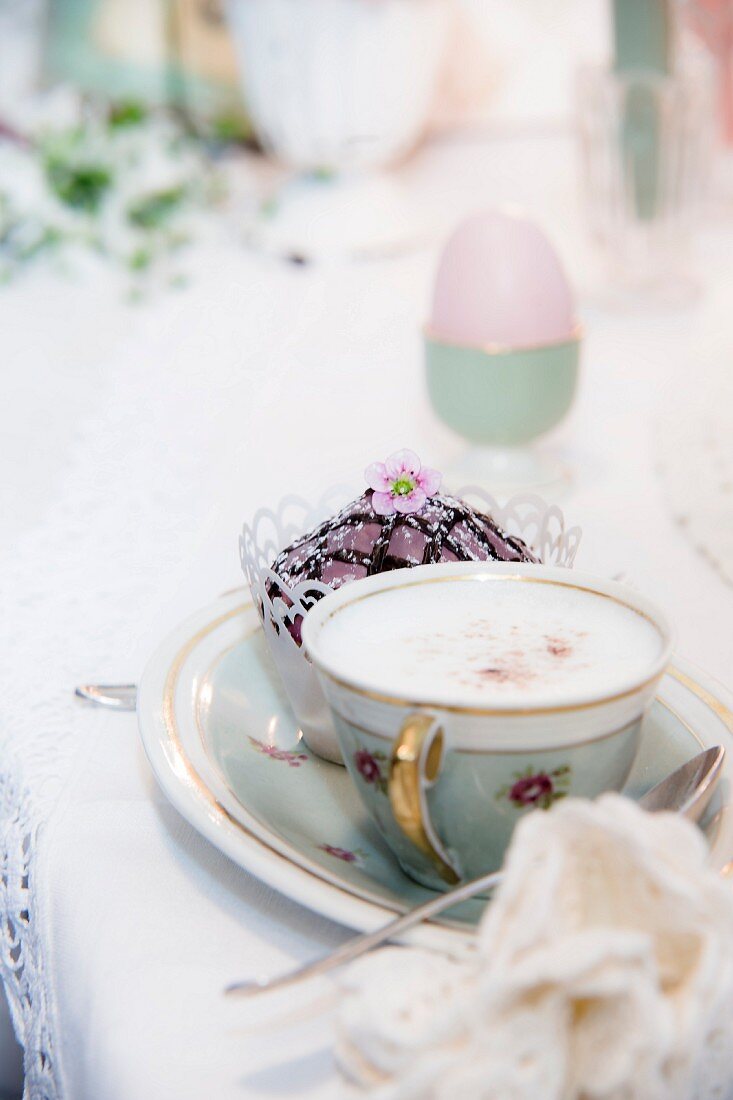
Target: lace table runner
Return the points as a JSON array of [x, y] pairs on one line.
[[147, 450], [104, 513]]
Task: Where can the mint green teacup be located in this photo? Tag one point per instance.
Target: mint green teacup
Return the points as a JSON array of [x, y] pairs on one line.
[[467, 695]]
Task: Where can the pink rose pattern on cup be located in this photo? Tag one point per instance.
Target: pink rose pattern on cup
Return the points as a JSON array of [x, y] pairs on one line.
[[536, 790], [369, 766], [293, 759]]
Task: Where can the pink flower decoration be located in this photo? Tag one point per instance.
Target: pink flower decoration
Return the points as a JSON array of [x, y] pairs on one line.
[[401, 484]]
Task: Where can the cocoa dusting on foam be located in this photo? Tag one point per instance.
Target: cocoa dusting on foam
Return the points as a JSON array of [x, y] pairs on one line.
[[514, 667], [507, 672], [557, 646], [495, 675], [510, 668]]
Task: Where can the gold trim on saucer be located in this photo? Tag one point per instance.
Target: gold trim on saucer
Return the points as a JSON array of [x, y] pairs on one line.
[[678, 717], [716, 706]]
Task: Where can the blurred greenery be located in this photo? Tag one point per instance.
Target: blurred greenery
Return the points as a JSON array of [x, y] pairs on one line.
[[97, 190], [154, 210], [81, 186], [127, 113]]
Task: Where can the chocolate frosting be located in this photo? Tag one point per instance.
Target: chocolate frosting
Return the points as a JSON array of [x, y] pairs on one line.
[[357, 542]]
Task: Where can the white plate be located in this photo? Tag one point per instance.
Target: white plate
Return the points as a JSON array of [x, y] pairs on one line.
[[225, 749]]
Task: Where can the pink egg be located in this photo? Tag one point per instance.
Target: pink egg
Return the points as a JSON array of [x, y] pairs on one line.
[[500, 282]]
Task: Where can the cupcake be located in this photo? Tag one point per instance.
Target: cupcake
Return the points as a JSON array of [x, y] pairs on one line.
[[400, 521], [295, 555]]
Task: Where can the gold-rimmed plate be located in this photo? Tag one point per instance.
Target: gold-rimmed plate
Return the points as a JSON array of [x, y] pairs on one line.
[[226, 751]]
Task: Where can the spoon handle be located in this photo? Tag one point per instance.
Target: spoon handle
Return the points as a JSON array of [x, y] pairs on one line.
[[360, 945], [114, 696]]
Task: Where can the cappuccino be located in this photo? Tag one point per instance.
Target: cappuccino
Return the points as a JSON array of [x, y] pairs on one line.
[[490, 640]]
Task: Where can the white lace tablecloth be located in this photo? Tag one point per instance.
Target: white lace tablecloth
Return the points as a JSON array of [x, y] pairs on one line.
[[133, 441]]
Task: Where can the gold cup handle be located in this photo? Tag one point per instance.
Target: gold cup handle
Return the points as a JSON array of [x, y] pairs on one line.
[[417, 755]]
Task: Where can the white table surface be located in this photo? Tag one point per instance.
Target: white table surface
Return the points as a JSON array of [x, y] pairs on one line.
[[133, 442]]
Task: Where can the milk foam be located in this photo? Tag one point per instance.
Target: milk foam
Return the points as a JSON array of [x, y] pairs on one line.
[[490, 641]]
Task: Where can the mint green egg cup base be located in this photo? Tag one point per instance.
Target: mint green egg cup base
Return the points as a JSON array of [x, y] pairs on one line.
[[502, 398]]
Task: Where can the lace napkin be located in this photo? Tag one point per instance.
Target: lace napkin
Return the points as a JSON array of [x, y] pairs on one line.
[[603, 970]]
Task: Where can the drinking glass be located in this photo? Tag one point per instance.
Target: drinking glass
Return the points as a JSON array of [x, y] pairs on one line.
[[645, 142]]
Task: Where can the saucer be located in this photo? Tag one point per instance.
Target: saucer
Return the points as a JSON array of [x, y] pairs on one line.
[[226, 751]]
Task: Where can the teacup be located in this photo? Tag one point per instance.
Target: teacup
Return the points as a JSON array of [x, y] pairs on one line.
[[466, 695]]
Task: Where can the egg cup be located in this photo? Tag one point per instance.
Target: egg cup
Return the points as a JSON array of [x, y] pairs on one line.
[[501, 399]]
